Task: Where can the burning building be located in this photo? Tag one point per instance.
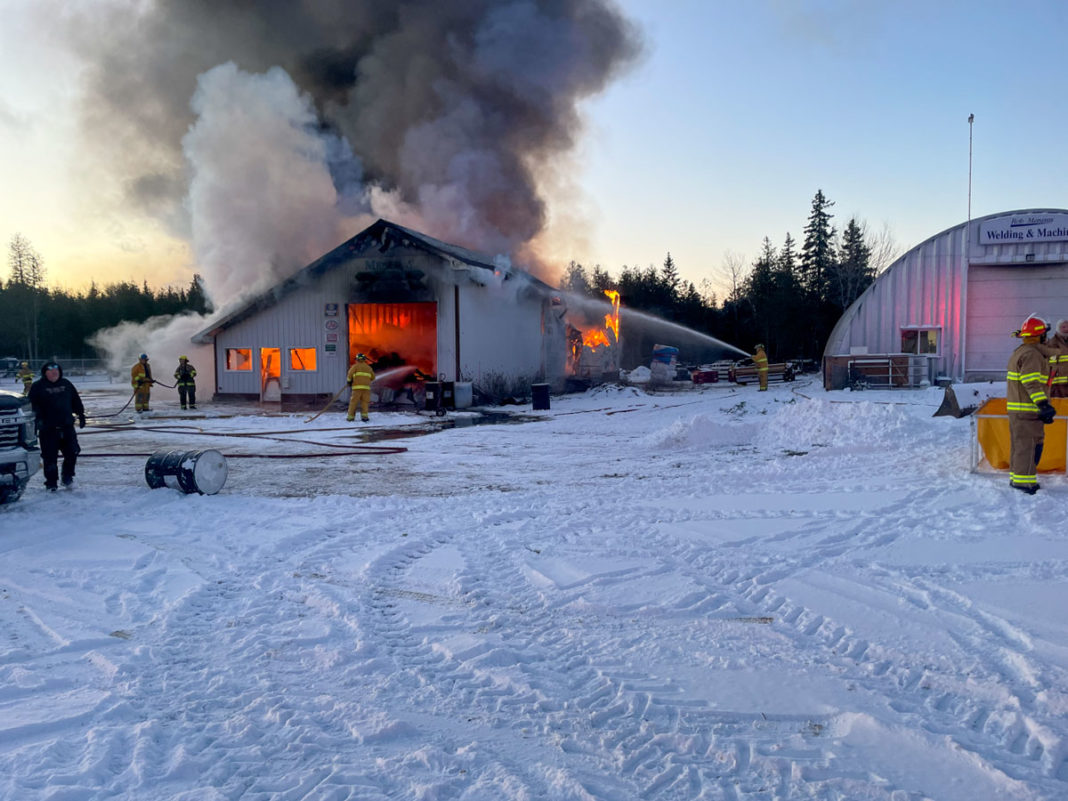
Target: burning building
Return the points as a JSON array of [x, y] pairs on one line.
[[594, 351], [406, 300]]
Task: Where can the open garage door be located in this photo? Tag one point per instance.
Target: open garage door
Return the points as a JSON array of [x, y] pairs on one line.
[[999, 300], [395, 334]]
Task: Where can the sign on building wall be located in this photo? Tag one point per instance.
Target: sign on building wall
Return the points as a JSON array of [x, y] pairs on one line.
[[1024, 228]]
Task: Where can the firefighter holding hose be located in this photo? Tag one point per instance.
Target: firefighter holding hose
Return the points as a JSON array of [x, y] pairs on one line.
[[359, 378], [141, 379], [760, 361]]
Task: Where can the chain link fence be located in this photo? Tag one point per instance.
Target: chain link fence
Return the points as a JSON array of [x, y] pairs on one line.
[[96, 369]]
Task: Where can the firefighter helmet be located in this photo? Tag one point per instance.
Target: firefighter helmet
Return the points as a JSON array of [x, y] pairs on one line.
[[183, 358], [760, 347], [360, 357], [1033, 327], [25, 364], [143, 357]]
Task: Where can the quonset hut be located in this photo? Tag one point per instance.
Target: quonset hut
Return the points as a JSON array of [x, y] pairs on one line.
[[401, 298], [945, 311]]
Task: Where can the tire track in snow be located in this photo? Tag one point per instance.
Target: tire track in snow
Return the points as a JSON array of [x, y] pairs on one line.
[[444, 690], [626, 720], [267, 723], [952, 710]]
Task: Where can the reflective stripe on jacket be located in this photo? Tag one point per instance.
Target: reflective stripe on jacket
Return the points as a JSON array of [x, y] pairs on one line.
[[185, 376], [760, 359], [360, 376], [139, 374], [1025, 382], [1058, 360]]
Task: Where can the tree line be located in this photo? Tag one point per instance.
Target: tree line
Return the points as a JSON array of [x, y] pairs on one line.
[[38, 322], [788, 299]]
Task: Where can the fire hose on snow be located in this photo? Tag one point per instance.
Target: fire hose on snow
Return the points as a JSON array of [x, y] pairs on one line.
[[129, 401], [205, 471], [329, 403]]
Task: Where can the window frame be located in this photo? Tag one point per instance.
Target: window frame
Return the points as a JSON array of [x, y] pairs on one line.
[[302, 370], [919, 331], [226, 361]]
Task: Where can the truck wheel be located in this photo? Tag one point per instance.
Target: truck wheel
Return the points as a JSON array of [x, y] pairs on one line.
[[11, 494]]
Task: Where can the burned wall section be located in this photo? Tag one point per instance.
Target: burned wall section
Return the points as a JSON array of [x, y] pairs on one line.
[[392, 312]]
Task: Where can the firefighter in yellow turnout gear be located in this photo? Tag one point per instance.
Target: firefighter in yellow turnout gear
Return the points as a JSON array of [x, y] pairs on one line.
[[359, 378], [1027, 404], [185, 378], [760, 361], [26, 376], [1058, 361], [141, 379]]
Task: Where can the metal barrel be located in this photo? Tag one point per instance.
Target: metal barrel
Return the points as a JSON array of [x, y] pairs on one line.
[[539, 396], [203, 472]]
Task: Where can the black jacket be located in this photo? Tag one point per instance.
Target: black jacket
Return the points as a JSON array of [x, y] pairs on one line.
[[55, 403]]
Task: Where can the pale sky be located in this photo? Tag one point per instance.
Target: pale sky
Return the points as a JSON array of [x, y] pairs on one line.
[[720, 135]]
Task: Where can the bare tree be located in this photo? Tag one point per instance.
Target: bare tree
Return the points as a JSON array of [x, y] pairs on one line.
[[19, 255], [882, 246], [731, 275], [27, 276]]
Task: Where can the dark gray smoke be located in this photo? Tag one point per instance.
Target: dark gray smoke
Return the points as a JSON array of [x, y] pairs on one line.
[[450, 106]]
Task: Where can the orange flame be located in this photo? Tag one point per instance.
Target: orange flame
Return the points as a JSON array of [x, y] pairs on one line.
[[611, 321], [594, 338]]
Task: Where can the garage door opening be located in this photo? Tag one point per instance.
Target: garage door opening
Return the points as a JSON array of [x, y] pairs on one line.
[[395, 335]]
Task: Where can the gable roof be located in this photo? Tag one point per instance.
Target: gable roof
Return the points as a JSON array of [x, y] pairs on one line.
[[381, 237]]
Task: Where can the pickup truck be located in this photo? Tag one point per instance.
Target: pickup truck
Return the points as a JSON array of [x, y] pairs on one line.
[[19, 455]]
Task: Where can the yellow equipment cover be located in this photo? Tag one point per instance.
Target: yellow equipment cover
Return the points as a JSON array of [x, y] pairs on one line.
[[992, 427]]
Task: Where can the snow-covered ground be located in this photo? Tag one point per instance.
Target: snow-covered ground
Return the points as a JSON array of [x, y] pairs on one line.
[[709, 593]]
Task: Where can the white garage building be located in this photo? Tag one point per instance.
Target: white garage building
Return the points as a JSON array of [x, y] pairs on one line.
[[399, 296], [946, 310]]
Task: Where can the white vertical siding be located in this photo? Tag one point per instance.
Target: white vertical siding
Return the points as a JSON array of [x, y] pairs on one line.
[[296, 321], [500, 327], [500, 333]]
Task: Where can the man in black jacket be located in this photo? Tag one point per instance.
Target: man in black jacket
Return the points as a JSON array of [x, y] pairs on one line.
[[56, 403]]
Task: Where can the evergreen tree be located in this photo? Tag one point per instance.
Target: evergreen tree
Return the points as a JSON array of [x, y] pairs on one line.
[[196, 299], [575, 279], [817, 252], [759, 290], [670, 275], [854, 271], [601, 281], [788, 256]]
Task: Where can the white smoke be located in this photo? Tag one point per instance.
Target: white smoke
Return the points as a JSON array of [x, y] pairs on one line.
[[262, 202], [261, 197], [163, 339], [458, 109]]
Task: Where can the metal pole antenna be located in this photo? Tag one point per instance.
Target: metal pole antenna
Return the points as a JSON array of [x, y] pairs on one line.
[[967, 234], [971, 119]]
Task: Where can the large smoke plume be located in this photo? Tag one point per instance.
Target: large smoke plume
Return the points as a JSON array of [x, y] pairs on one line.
[[451, 108], [267, 131]]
